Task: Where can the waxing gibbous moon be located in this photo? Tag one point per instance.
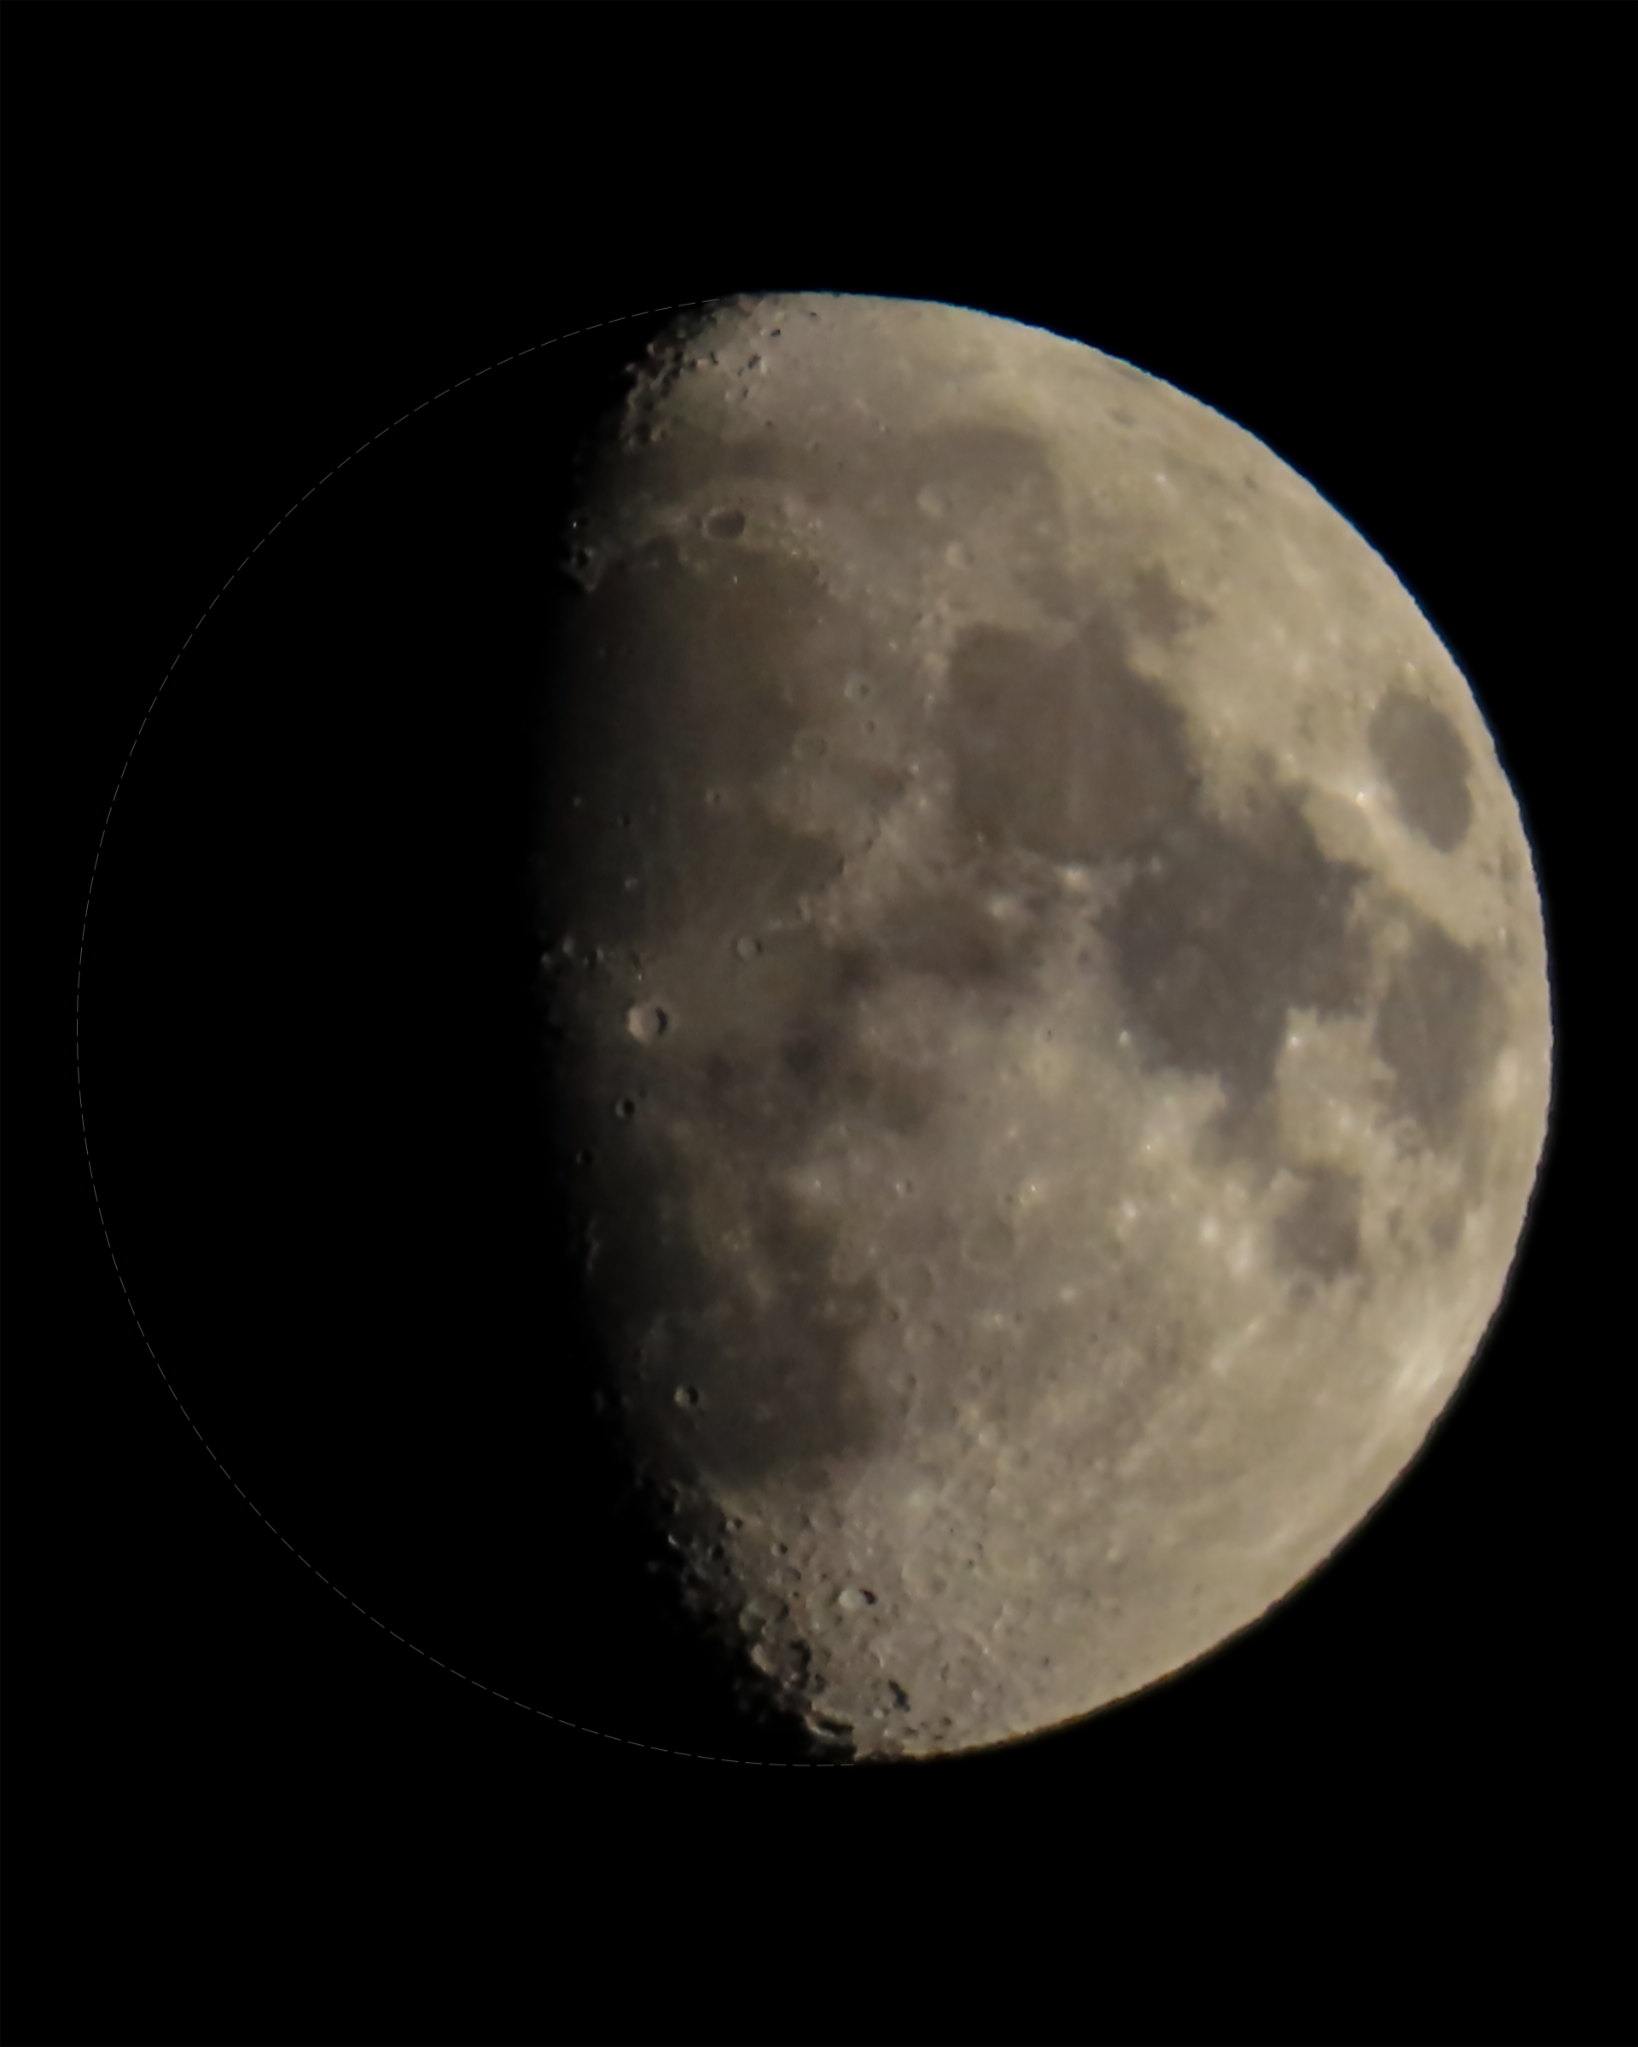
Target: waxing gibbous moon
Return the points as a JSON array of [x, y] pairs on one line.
[[1051, 1032]]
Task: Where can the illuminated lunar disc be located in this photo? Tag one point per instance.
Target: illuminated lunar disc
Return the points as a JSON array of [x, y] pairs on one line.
[[1055, 996]]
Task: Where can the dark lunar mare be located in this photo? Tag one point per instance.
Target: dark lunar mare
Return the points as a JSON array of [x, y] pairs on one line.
[[1426, 765]]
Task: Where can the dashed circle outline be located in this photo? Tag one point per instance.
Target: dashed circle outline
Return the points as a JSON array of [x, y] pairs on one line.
[[624, 1741]]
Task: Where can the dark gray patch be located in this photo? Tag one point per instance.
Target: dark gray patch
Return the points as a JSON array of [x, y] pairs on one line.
[[1319, 1233], [1436, 1030], [729, 1366], [972, 463], [1447, 1226], [1250, 1142], [777, 1389], [1426, 765], [1064, 750], [833, 1079], [947, 932], [725, 524], [1221, 934], [669, 687], [760, 1331], [1159, 607]]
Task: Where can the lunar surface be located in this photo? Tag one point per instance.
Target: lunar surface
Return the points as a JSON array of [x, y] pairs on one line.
[[1049, 1005]]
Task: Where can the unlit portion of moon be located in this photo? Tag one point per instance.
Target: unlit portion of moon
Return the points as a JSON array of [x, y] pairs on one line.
[[1053, 993]]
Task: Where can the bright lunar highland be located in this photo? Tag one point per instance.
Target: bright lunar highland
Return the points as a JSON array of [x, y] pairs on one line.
[[1052, 1030]]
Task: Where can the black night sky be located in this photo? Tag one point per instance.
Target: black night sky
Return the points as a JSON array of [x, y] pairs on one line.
[[309, 1042]]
